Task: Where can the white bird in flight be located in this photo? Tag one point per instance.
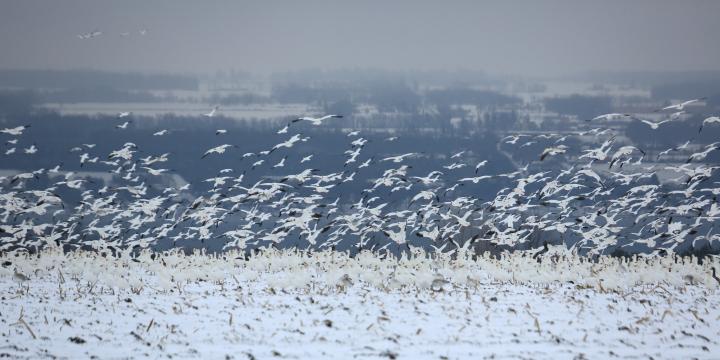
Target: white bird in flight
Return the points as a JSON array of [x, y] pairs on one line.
[[218, 150], [554, 150], [611, 116], [289, 143], [155, 172], [710, 120], [212, 112], [681, 106], [89, 35], [398, 158], [318, 121], [457, 155], [654, 125], [16, 131], [31, 150], [479, 165], [476, 179], [281, 163]]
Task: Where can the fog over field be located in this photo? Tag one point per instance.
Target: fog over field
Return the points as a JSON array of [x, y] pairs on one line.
[[538, 38]]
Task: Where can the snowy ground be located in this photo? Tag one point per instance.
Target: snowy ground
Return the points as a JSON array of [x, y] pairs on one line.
[[94, 307]]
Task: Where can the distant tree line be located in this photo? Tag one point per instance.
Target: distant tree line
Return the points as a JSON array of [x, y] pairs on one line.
[[584, 107], [41, 79]]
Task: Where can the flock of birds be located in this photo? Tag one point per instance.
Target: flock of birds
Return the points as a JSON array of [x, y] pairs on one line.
[[592, 205], [328, 271], [677, 111]]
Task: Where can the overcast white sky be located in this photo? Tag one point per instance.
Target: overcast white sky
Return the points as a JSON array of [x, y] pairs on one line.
[[510, 37]]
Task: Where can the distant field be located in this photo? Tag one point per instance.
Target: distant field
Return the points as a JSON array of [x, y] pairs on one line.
[[256, 111]]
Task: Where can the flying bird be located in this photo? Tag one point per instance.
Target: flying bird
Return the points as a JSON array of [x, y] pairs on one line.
[[398, 158], [218, 149], [681, 106], [701, 155], [318, 121], [289, 143], [611, 116], [212, 112], [89, 35], [476, 179], [155, 172], [710, 120], [552, 151], [653, 125], [31, 150], [623, 153], [479, 165], [16, 131]]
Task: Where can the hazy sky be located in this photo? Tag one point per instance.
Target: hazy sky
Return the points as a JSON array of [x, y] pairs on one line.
[[514, 37]]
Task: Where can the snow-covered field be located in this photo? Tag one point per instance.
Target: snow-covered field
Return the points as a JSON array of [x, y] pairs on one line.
[[326, 305]]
